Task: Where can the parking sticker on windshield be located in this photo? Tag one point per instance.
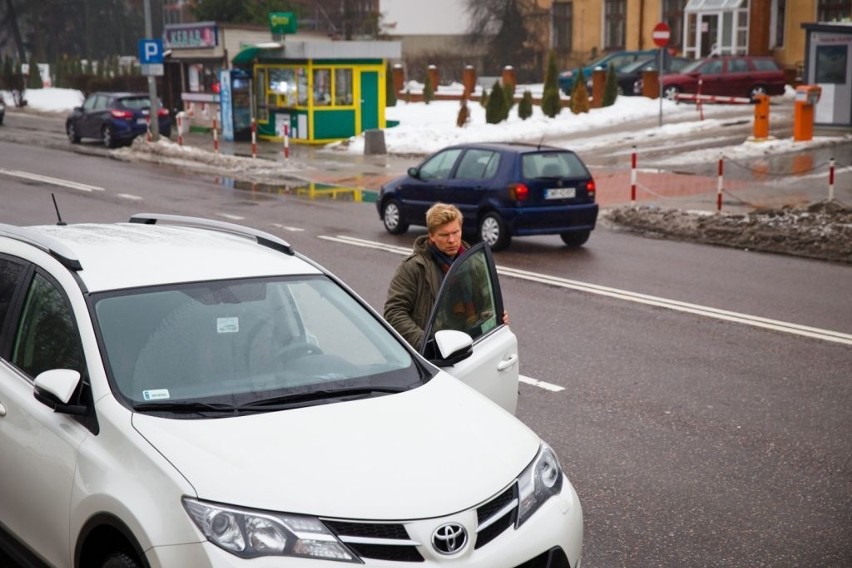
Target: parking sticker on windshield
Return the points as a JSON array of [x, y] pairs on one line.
[[156, 394], [227, 325]]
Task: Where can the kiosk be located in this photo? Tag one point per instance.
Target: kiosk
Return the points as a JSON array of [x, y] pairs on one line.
[[323, 91]]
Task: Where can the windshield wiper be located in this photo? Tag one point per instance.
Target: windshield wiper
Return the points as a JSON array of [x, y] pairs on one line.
[[186, 406], [348, 393]]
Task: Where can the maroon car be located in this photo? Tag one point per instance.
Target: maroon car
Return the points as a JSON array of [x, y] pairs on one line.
[[729, 76]]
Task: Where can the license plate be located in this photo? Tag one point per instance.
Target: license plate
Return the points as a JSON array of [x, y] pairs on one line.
[[560, 193], [142, 121]]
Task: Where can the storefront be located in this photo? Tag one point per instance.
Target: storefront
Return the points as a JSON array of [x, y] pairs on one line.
[[828, 64], [196, 54], [715, 27], [322, 91]]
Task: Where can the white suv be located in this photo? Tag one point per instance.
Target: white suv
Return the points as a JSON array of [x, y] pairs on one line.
[[204, 396]]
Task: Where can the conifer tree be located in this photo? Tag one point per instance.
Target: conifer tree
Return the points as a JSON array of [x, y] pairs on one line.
[[34, 79], [610, 87], [550, 102], [580, 95], [525, 107], [495, 111], [428, 89]]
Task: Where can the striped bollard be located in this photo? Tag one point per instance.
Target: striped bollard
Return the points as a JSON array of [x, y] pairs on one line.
[[253, 138], [720, 183], [831, 179], [180, 128], [633, 177], [148, 133], [286, 141], [215, 137]]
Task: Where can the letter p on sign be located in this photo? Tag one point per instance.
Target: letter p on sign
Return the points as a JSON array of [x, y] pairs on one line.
[[150, 51]]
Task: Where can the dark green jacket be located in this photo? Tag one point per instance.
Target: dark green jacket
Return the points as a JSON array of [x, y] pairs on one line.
[[412, 293]]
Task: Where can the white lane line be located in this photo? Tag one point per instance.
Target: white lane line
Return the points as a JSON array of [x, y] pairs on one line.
[[51, 180], [231, 217], [540, 384], [129, 196], [286, 228], [685, 307]]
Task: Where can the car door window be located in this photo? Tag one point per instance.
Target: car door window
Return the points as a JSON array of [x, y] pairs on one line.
[[469, 299], [478, 164], [440, 165], [738, 65], [10, 276], [47, 337], [90, 102]]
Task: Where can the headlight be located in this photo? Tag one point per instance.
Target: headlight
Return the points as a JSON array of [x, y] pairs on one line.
[[538, 483], [248, 534]]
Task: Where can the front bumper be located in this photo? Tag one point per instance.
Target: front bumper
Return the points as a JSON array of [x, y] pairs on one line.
[[549, 539]]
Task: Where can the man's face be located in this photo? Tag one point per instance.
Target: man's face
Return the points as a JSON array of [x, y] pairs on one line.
[[447, 238]]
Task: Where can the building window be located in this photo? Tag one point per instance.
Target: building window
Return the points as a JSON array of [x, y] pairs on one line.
[[834, 10], [673, 16], [776, 29], [615, 12], [563, 20]]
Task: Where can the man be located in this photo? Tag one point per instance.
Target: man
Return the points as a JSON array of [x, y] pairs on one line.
[[415, 284]]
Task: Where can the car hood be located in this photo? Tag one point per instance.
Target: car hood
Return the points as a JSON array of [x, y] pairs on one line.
[[431, 451]]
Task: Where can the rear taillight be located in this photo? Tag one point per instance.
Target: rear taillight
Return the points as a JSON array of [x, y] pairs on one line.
[[162, 112], [518, 191], [121, 114], [590, 188]]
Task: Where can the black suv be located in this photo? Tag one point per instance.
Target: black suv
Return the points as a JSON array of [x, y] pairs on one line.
[[503, 190], [114, 118]]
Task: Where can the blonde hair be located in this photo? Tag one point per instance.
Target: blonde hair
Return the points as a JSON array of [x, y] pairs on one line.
[[440, 214]]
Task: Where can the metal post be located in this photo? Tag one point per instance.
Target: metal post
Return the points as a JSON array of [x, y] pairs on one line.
[[831, 180], [152, 81]]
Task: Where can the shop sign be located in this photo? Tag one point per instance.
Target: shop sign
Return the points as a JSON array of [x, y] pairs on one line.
[[204, 34], [282, 22]]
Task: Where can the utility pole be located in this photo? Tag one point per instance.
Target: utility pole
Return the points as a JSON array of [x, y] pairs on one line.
[[152, 81]]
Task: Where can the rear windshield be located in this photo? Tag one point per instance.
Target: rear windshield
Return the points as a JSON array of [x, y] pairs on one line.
[[765, 64], [136, 103], [553, 164]]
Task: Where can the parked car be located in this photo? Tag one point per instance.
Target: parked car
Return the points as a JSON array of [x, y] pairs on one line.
[[114, 118], [729, 76], [503, 190], [617, 59], [629, 77], [185, 392]]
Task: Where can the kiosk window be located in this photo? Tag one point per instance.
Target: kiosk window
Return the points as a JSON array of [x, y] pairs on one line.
[[322, 87], [343, 87]]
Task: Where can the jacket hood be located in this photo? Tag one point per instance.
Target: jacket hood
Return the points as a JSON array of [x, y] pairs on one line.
[[427, 452]]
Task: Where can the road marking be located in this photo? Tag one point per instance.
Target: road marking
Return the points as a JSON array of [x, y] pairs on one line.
[[540, 384], [51, 180], [231, 217], [129, 196], [286, 228], [685, 307]]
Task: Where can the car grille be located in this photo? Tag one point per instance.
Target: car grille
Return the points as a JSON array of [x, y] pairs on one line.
[[391, 542]]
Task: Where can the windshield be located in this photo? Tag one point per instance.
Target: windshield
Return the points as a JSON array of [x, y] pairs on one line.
[[247, 341], [692, 66]]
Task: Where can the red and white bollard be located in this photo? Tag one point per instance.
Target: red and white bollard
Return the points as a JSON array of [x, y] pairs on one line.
[[215, 137], [286, 141], [720, 183], [698, 102], [148, 135], [831, 179], [180, 128], [633, 177], [253, 138]]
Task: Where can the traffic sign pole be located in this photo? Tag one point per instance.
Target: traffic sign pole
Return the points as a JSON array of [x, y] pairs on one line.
[[154, 108], [661, 35]]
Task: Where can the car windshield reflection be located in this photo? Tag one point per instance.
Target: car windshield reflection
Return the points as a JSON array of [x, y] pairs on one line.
[[241, 342]]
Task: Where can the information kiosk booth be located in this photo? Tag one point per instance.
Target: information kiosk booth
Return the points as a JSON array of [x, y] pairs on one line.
[[321, 91]]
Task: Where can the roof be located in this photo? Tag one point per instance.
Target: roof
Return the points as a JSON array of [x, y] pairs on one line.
[[129, 255], [301, 50]]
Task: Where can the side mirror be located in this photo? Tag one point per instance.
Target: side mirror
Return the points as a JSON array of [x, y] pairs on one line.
[[452, 346], [414, 172], [54, 388]]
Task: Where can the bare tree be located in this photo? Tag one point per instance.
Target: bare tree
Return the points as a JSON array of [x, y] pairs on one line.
[[503, 28]]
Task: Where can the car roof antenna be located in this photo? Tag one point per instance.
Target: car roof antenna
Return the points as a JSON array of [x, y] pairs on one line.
[[540, 140], [59, 220]]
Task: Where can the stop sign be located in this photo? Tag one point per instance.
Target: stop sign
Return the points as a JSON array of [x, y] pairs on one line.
[[661, 34]]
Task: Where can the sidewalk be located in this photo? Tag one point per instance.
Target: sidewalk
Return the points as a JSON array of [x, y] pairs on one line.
[[745, 186]]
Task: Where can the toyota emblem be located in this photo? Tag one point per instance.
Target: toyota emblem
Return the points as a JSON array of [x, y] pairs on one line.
[[449, 538]]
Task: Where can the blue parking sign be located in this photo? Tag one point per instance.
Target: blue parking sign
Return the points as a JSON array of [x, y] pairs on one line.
[[150, 51]]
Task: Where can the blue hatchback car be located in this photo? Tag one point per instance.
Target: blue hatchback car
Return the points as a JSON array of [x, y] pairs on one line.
[[503, 190], [114, 118]]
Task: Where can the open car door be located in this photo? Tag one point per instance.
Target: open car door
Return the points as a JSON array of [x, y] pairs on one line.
[[470, 302]]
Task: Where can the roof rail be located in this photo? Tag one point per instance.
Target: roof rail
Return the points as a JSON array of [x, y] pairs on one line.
[[262, 237], [55, 248]]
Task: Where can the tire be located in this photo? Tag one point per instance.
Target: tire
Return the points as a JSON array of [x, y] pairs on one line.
[[71, 131], [671, 92], [106, 137], [575, 239], [493, 230], [392, 218], [120, 560]]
